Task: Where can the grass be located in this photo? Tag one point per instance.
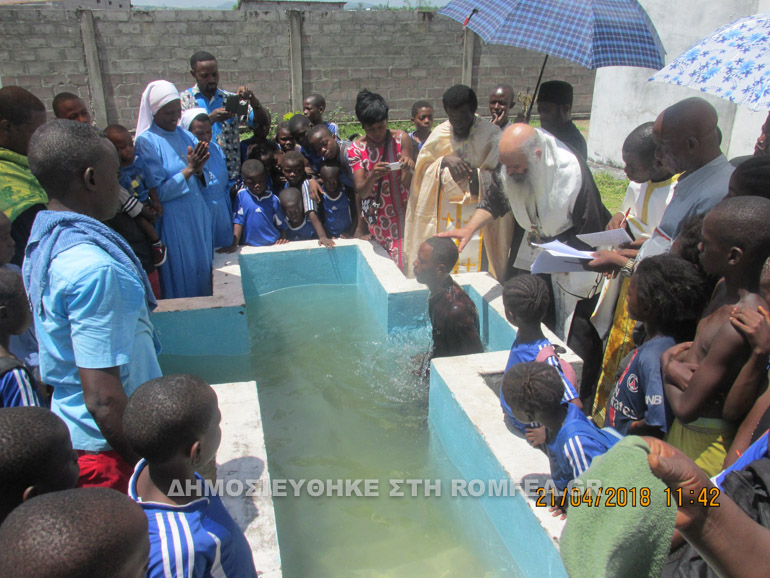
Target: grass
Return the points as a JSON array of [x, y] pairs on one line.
[[611, 189]]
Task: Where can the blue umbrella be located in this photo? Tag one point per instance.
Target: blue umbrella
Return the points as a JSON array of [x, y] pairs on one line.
[[592, 33], [732, 63]]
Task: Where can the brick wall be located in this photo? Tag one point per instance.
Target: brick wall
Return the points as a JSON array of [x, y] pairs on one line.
[[403, 55]]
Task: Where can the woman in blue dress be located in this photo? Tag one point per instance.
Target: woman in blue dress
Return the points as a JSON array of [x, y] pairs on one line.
[[174, 162], [217, 191]]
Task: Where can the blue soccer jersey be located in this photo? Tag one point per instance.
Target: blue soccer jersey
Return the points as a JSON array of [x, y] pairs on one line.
[[261, 218], [639, 391], [337, 219], [132, 179], [526, 352], [575, 446], [199, 539], [19, 388], [302, 232]]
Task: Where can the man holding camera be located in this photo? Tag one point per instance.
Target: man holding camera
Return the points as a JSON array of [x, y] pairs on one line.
[[225, 109]]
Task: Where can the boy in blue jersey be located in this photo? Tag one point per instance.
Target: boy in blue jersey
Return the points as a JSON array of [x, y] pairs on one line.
[[17, 385], [313, 107], [335, 204], [297, 226], [534, 391], [667, 294], [36, 456], [526, 300], [173, 423], [258, 214], [293, 165]]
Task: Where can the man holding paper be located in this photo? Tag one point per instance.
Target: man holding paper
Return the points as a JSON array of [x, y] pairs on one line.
[[552, 195]]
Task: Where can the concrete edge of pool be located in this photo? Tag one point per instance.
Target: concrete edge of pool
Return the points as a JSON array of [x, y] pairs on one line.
[[464, 407]]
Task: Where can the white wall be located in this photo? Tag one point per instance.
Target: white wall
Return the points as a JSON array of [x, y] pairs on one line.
[[623, 98]]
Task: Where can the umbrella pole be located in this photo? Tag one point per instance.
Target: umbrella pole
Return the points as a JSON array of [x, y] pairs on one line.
[[537, 87]]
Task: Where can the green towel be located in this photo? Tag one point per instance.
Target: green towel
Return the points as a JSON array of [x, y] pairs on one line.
[[620, 541]]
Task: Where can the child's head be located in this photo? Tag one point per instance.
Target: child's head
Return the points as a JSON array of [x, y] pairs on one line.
[[314, 107], [121, 138], [669, 293], [639, 155], [76, 534], [299, 125], [293, 166], [291, 202], [70, 106], [283, 137], [15, 315], [372, 113], [422, 115], [322, 141], [78, 166], [254, 177], [526, 299], [264, 153], [262, 129], [7, 244], [330, 175], [36, 456], [501, 100], [751, 178], [532, 390], [736, 238], [436, 258], [173, 418], [201, 127]]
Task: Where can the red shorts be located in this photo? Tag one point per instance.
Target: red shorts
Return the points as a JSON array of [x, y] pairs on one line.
[[155, 283], [103, 470]]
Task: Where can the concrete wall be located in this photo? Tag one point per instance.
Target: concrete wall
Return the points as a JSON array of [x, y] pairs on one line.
[[403, 55], [623, 99]]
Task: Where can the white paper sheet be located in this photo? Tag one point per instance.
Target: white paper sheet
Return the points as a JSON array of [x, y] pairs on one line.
[[609, 238]]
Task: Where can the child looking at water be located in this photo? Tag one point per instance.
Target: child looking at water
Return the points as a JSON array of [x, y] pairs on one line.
[[17, 385], [258, 215], [526, 300], [735, 244], [335, 204], [144, 205], [172, 422], [293, 165], [284, 137], [534, 392], [36, 456], [667, 294], [298, 227], [422, 118], [313, 108], [265, 154]]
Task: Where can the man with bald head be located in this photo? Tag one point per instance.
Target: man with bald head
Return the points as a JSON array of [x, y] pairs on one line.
[[687, 142], [552, 195], [21, 196]]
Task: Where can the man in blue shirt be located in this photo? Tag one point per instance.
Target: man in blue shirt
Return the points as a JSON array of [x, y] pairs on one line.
[[90, 298], [207, 94]]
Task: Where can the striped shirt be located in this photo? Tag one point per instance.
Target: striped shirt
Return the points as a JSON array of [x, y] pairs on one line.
[[19, 388], [575, 446], [195, 540]]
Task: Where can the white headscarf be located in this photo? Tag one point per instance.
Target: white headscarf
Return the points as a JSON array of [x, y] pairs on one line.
[[157, 94], [189, 115]]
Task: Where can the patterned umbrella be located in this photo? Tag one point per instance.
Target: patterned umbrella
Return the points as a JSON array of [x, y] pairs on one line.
[[592, 33], [731, 63]]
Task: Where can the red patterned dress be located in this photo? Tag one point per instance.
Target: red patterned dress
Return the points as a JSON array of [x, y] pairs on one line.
[[384, 210]]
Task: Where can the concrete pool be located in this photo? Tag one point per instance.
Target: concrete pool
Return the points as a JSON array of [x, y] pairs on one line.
[[210, 336]]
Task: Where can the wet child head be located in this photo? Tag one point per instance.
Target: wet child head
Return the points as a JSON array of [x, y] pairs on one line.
[[254, 177]]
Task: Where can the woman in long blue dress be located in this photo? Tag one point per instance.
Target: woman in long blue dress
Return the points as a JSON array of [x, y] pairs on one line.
[[217, 191], [174, 159]]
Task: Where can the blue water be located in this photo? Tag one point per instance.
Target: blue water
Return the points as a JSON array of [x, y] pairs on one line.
[[339, 401]]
